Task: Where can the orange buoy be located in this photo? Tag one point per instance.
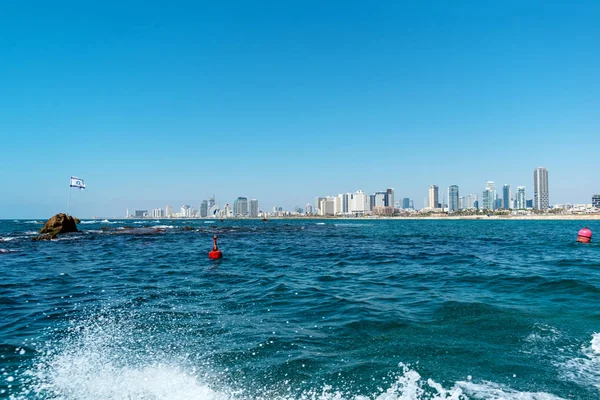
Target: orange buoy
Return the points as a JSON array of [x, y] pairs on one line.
[[215, 253], [584, 235]]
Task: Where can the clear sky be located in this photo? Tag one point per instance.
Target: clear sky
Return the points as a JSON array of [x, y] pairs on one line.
[[157, 103]]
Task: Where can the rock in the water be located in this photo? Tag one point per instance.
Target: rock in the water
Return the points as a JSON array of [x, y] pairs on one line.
[[60, 223], [188, 228]]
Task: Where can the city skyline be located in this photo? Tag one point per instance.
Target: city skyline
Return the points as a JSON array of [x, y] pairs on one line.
[[161, 103]]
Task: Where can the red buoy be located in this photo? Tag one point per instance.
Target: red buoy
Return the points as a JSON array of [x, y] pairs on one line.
[[584, 235], [215, 253]]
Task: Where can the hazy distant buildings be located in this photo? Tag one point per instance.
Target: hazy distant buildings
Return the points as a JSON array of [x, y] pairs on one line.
[[470, 202], [453, 204], [309, 209], [204, 209], [168, 211], [380, 199], [521, 203], [596, 200], [140, 213], [541, 196], [506, 197], [406, 203], [254, 208], [158, 213], [240, 207], [434, 196]]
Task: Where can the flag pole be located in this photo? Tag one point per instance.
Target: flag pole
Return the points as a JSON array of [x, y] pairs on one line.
[[69, 200]]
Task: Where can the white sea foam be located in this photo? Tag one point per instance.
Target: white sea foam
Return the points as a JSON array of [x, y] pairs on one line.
[[6, 239], [32, 222], [209, 222], [101, 358], [320, 223], [163, 227], [584, 370], [88, 222]]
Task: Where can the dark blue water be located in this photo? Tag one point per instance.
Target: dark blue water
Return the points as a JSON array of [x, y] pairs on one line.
[[339, 309]]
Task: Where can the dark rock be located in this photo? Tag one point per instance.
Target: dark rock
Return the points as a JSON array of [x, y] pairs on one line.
[[60, 223], [188, 228]]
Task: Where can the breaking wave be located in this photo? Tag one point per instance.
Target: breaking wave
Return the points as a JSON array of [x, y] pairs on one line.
[[110, 356]]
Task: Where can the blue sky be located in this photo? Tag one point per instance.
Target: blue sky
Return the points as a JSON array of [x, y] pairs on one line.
[[157, 103]]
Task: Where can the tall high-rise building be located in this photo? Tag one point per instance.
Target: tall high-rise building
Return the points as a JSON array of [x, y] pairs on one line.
[[359, 204], [389, 198], [541, 195], [240, 206], [453, 198], [168, 211], [380, 199], [406, 203], [521, 202], [596, 200], [434, 196], [489, 196], [318, 204], [506, 197], [157, 213], [204, 209], [254, 208]]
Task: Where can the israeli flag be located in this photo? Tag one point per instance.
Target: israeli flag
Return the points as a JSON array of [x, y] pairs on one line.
[[77, 182]]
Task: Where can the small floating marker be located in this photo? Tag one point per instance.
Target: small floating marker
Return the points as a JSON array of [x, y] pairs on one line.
[[584, 235], [215, 253]]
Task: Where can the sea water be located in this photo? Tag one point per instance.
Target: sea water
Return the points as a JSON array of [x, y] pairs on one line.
[[300, 309]]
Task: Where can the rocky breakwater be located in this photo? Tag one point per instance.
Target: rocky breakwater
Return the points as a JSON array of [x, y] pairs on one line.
[[60, 223]]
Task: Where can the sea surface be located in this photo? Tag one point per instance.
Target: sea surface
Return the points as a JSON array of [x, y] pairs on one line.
[[300, 309]]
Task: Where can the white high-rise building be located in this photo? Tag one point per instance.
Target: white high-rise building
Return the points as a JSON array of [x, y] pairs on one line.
[[308, 209], [521, 199], [360, 203], [489, 196], [168, 211], [434, 195], [157, 213], [253, 208], [541, 195]]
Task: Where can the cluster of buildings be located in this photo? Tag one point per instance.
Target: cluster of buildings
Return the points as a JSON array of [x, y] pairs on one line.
[[242, 207], [382, 202]]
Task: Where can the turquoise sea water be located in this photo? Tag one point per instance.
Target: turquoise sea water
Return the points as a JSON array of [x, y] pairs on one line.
[[336, 309]]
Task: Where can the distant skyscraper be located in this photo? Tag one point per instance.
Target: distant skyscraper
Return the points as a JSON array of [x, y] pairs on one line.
[[541, 195], [596, 200], [318, 204], [168, 211], [254, 208], [380, 199], [359, 204], [521, 203], [489, 196], [506, 197], [406, 203], [433, 196], [390, 197], [453, 198], [470, 201], [529, 203], [157, 213], [240, 206], [204, 209]]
